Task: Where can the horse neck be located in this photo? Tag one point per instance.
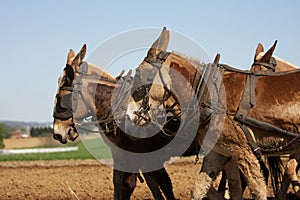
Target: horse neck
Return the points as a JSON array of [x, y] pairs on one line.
[[283, 65], [93, 69], [97, 89], [182, 66], [233, 82]]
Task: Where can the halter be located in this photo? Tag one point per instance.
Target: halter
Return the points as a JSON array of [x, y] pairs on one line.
[[145, 77], [67, 104], [271, 65]]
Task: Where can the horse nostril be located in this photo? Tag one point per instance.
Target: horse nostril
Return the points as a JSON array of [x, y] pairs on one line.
[[57, 137]]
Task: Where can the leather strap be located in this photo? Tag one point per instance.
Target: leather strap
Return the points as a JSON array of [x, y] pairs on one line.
[[248, 98], [251, 141]]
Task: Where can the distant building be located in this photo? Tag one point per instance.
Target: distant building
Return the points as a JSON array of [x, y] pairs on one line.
[[26, 132], [18, 133]]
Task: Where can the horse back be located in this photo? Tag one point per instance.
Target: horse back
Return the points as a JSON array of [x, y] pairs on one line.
[[278, 100]]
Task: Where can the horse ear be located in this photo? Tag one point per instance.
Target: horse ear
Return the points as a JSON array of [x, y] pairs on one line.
[[259, 49], [268, 55], [217, 59], [161, 44], [79, 57], [71, 55]]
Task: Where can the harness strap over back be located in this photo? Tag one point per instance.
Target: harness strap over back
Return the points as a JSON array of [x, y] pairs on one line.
[[248, 100]]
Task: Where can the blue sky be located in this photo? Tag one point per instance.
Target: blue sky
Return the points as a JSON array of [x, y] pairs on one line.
[[36, 35]]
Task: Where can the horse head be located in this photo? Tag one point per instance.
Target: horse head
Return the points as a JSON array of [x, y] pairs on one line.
[[159, 81], [63, 125], [147, 70], [264, 60], [75, 98]]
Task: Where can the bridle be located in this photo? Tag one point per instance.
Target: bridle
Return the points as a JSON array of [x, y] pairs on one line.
[[144, 77], [67, 104], [271, 65], [143, 81]]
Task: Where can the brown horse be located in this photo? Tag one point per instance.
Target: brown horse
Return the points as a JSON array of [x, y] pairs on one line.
[[290, 175], [84, 89], [275, 102], [184, 67], [264, 61]]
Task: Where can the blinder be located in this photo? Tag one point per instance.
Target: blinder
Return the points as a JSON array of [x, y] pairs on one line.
[[66, 101], [67, 104], [63, 108]]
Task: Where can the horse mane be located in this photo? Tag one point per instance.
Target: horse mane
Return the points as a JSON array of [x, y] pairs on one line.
[[284, 65], [93, 69], [287, 65], [186, 66], [193, 60], [102, 89]]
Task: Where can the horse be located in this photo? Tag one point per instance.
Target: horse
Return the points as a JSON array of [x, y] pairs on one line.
[[267, 112], [261, 62], [290, 175], [75, 100]]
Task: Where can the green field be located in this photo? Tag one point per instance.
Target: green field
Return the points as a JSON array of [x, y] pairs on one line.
[[87, 149]]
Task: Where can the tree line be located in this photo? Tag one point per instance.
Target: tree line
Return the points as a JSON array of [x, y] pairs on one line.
[[6, 132], [4, 129], [40, 131]]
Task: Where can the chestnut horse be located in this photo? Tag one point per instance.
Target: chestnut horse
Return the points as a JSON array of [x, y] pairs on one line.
[[274, 101], [290, 171], [261, 58], [85, 90]]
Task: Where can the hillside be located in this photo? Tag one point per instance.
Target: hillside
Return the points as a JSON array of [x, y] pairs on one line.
[[24, 124]]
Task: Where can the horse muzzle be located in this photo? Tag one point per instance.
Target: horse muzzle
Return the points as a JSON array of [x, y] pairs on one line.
[[70, 133]]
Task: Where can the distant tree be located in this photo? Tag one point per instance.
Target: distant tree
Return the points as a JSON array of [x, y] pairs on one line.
[[1, 136], [40, 131], [34, 132], [6, 130]]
